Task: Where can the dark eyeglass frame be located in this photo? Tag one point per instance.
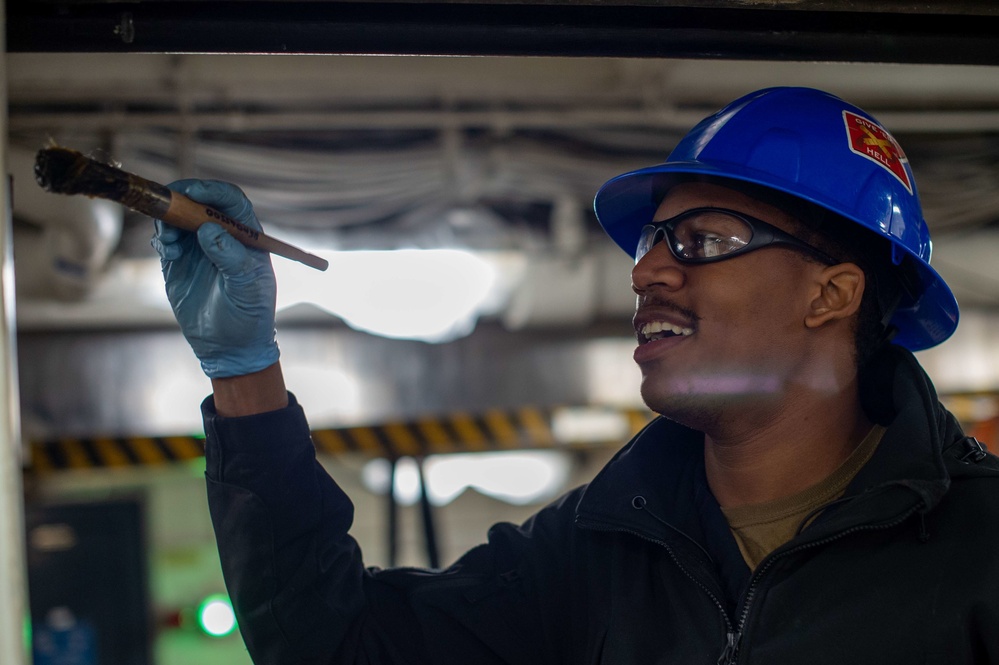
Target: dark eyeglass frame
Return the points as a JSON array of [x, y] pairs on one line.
[[764, 234]]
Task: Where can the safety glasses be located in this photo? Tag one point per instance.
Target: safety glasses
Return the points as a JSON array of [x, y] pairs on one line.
[[704, 235]]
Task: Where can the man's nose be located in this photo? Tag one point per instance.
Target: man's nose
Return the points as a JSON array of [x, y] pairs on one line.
[[658, 269]]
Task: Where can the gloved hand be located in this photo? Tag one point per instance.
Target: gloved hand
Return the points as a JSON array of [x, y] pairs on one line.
[[222, 292]]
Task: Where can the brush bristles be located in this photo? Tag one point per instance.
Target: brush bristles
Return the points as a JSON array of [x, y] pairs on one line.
[[58, 170], [65, 171]]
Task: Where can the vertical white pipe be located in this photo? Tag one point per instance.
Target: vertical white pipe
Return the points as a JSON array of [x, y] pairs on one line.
[[13, 575]]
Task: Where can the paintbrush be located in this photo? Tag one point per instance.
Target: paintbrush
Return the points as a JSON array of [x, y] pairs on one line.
[[66, 171]]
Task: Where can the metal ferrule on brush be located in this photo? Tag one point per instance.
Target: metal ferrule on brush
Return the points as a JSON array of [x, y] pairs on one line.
[[150, 197]]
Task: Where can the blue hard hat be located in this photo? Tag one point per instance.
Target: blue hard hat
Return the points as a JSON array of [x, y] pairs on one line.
[[813, 146]]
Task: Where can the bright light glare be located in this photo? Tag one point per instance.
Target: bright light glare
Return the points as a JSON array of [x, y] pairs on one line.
[[325, 391], [432, 295], [215, 616], [514, 477], [589, 425]]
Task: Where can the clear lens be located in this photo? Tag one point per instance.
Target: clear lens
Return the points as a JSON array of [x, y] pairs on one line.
[[703, 234], [651, 235], [710, 233]]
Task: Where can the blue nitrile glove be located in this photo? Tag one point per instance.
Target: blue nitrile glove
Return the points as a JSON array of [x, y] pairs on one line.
[[222, 292]]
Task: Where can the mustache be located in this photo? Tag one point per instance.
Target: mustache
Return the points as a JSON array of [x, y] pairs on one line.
[[654, 302]]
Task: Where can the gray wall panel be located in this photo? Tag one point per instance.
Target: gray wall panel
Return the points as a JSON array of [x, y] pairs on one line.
[[149, 383]]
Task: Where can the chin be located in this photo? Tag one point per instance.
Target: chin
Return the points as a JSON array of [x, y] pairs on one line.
[[698, 400], [684, 410]]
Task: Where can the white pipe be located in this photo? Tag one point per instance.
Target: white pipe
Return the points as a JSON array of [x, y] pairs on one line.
[[13, 573], [80, 233], [900, 121]]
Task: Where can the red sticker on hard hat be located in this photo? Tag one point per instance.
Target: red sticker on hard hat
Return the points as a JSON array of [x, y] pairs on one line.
[[869, 139]]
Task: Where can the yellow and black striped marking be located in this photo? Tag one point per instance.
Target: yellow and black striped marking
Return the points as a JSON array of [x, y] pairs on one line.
[[515, 429], [113, 452]]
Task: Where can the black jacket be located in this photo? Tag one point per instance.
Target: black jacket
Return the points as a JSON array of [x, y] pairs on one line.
[[637, 567]]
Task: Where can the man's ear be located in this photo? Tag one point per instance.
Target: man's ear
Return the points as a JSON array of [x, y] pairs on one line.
[[839, 292]]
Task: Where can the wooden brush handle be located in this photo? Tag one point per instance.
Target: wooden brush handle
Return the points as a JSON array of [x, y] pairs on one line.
[[187, 214]]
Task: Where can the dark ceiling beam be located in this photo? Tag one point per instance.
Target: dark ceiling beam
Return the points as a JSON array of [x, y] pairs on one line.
[[967, 33]]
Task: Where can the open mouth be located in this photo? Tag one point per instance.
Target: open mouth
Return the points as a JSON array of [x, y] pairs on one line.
[[660, 330]]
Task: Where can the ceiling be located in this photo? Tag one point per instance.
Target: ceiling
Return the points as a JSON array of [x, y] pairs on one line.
[[499, 152]]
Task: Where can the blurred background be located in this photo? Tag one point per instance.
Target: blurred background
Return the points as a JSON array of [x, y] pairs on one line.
[[467, 357]]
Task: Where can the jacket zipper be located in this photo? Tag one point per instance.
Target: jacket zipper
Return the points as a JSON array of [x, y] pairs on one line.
[[731, 653], [731, 635]]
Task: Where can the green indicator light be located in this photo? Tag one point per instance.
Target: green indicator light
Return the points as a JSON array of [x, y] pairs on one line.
[[215, 616], [28, 636]]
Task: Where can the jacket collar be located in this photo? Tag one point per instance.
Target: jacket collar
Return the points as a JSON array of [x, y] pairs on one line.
[[662, 467]]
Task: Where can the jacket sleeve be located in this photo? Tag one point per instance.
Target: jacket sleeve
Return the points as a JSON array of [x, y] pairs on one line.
[[302, 594]]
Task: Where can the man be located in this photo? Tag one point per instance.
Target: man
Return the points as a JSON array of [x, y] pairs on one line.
[[805, 498]]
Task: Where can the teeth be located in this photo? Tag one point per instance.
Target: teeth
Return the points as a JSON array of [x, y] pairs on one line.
[[660, 329]]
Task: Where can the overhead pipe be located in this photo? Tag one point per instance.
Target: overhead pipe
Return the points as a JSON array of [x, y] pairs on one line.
[[955, 32], [79, 234], [961, 121]]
